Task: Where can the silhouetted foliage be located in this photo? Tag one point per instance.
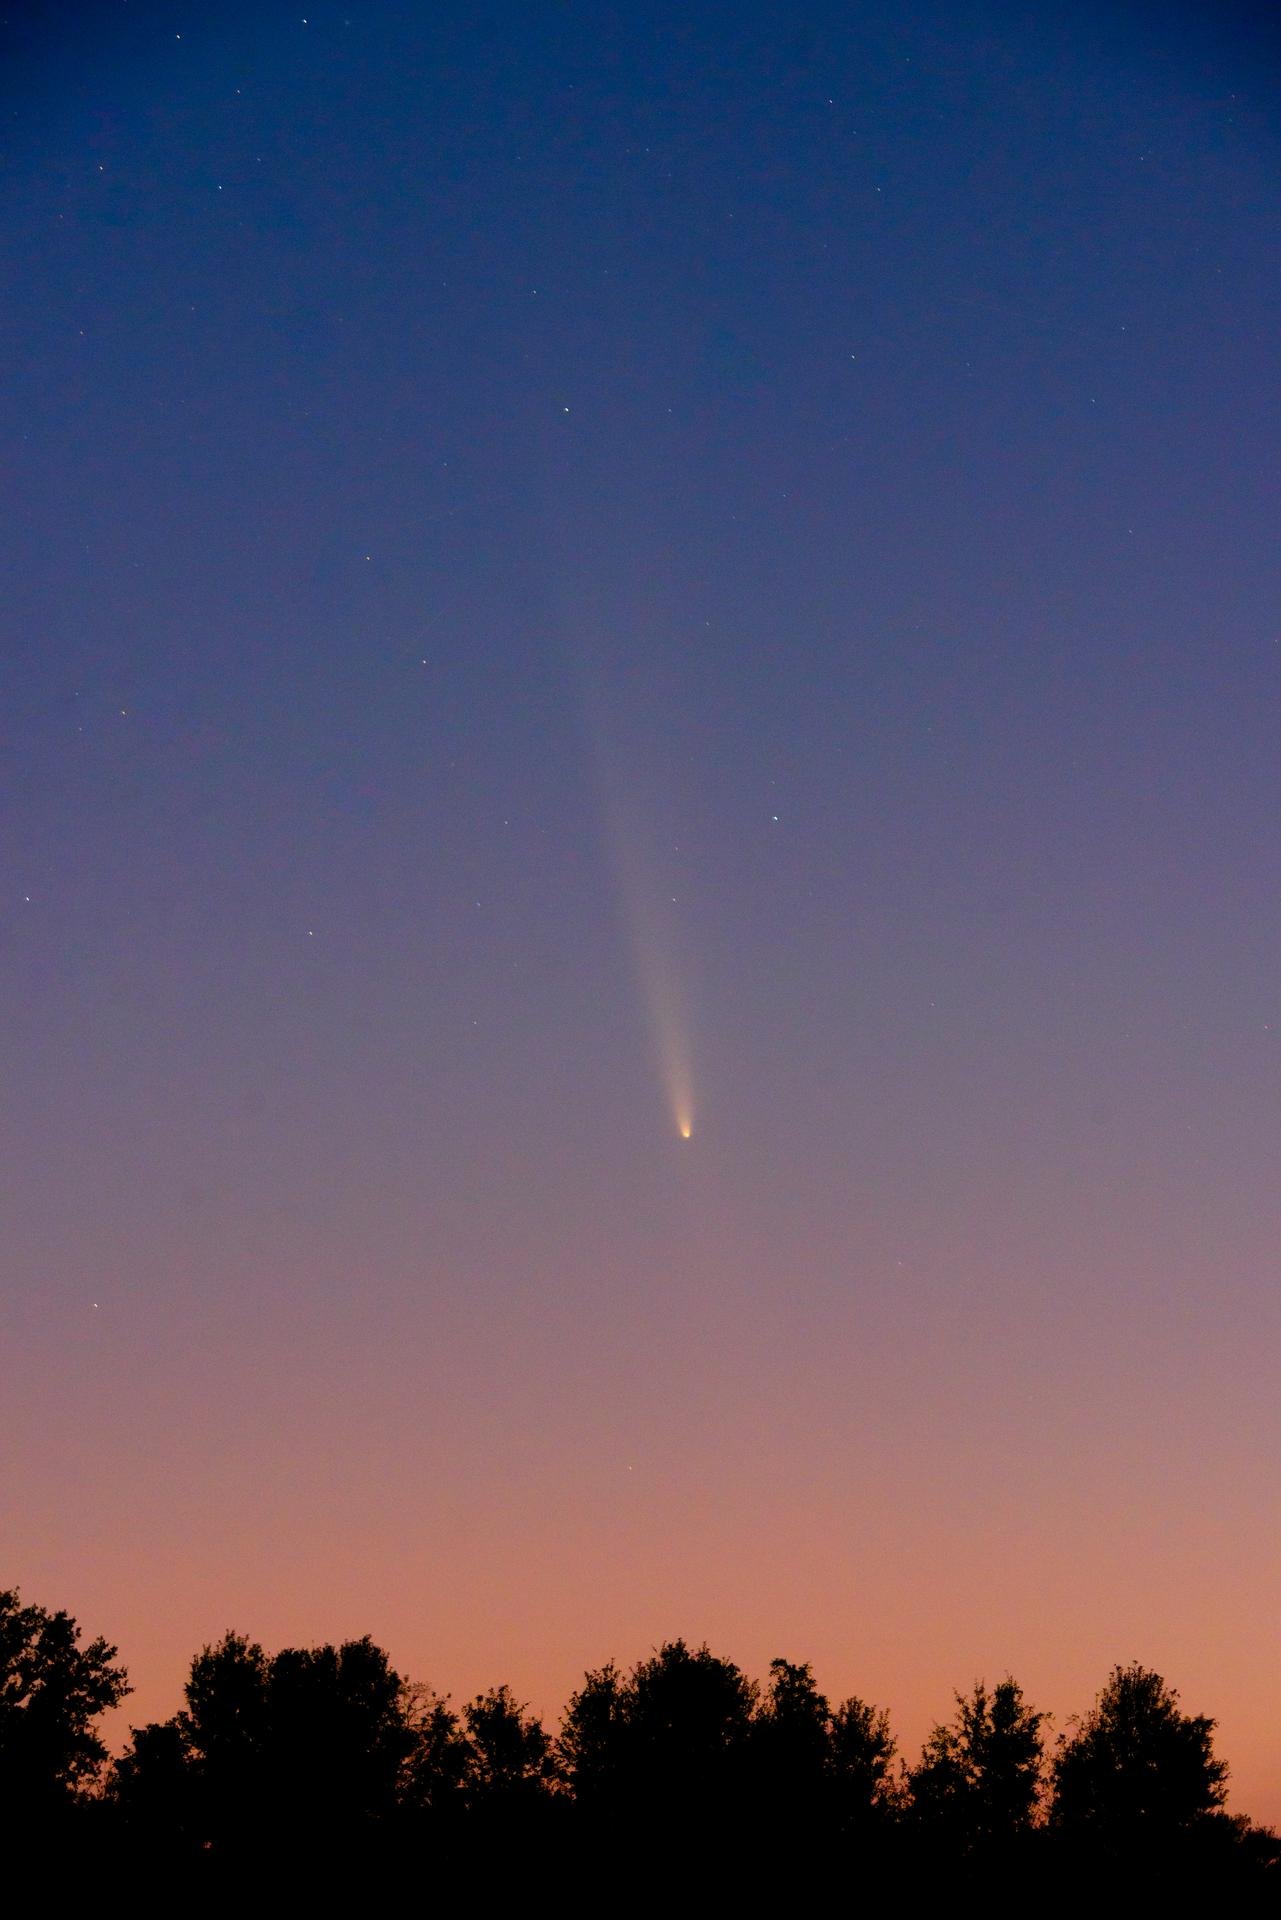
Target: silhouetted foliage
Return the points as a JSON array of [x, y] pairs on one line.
[[52, 1691], [154, 1790], [686, 1758], [791, 1752], [665, 1747], [437, 1769], [1137, 1769], [865, 1793], [337, 1739], [225, 1731], [818, 1771], [320, 1768], [511, 1761], [979, 1777], [306, 1750]]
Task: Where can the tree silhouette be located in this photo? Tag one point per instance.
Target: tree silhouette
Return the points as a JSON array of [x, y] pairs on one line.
[[153, 1790], [303, 1752], [862, 1748], [317, 1772], [664, 1749], [1137, 1769], [225, 1733], [336, 1742], [437, 1768], [979, 1777], [512, 1762], [791, 1752], [593, 1739], [52, 1690], [816, 1771]]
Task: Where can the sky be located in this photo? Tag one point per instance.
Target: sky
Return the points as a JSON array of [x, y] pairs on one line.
[[580, 573]]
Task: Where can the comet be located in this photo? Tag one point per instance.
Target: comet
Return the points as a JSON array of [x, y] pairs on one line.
[[638, 854], [653, 944], [650, 926]]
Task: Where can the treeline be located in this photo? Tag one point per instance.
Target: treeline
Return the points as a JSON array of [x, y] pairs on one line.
[[322, 1762]]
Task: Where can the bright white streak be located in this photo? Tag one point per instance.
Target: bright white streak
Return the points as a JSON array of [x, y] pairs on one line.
[[652, 936], [617, 673], [649, 918]]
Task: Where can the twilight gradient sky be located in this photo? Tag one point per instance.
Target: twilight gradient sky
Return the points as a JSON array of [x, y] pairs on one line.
[[553, 551]]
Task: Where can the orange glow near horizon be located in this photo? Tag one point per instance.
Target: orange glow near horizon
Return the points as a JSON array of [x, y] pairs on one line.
[[882, 1498]]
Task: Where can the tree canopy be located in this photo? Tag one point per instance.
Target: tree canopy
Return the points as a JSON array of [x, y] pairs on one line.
[[324, 1758], [978, 1780], [52, 1692], [1137, 1766]]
